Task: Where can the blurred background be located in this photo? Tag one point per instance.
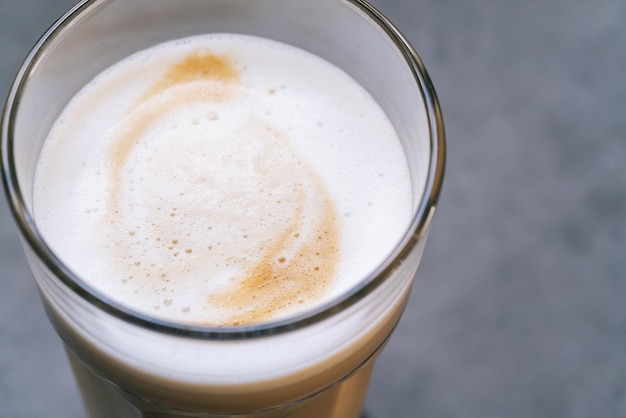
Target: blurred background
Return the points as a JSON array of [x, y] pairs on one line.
[[519, 305]]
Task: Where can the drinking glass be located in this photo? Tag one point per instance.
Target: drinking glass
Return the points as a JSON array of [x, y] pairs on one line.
[[315, 364]]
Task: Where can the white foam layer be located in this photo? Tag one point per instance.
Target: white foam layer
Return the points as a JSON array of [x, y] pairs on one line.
[[222, 179]]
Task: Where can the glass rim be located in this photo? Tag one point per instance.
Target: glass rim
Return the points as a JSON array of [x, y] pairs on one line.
[[415, 232]]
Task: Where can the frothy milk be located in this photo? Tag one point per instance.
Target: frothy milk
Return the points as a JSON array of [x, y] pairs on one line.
[[222, 180]]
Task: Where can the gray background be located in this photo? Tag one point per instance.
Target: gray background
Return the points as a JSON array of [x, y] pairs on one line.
[[518, 309]]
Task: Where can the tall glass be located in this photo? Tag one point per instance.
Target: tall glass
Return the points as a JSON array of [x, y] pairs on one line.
[[131, 365]]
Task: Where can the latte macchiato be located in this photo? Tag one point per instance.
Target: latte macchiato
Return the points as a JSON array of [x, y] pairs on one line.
[[224, 202]]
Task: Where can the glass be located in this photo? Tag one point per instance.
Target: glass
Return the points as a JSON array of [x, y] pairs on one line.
[[131, 365]]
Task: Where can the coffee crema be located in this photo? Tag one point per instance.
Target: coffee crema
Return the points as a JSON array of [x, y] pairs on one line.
[[222, 180]]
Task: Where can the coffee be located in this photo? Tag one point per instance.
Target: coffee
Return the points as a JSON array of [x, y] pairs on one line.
[[223, 225], [222, 180]]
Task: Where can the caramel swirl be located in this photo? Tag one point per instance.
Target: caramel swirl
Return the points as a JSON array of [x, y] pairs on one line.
[[223, 201]]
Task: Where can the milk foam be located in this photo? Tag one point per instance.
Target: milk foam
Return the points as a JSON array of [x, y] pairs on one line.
[[222, 180]]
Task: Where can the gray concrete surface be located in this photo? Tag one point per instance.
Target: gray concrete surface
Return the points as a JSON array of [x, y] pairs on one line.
[[519, 307]]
